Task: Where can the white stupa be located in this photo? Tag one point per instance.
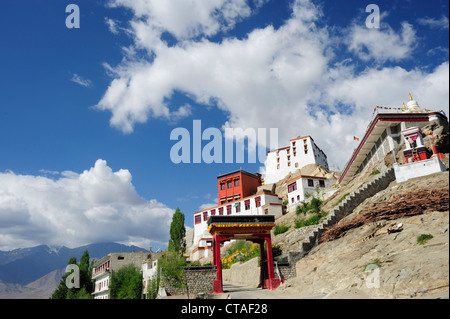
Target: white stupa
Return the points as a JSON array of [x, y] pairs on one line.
[[412, 105]]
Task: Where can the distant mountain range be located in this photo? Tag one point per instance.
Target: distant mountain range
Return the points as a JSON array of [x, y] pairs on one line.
[[26, 265]]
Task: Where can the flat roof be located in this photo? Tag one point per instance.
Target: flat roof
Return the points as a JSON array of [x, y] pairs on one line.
[[237, 172], [305, 176]]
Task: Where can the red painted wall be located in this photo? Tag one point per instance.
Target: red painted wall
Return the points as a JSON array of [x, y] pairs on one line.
[[241, 184]]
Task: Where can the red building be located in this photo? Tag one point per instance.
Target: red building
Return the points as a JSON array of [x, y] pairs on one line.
[[236, 185]]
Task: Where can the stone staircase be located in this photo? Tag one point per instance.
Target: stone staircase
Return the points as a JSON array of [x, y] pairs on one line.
[[345, 208]]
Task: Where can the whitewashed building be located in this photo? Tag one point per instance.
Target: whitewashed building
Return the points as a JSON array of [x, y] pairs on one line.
[[300, 152], [103, 269], [384, 134], [299, 188]]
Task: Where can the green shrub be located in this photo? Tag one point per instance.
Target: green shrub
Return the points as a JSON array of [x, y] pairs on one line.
[[302, 208], [422, 239], [281, 228]]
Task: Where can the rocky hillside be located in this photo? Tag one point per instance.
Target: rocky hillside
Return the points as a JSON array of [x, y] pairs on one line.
[[406, 269]]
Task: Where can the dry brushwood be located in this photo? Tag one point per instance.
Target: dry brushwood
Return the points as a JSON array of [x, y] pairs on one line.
[[408, 204]]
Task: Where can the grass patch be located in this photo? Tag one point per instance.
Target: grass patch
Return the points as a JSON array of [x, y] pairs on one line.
[[424, 238], [374, 172], [341, 199], [313, 220]]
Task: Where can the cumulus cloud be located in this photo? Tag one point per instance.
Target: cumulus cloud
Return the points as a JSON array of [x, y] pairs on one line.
[[288, 77], [382, 44], [75, 209]]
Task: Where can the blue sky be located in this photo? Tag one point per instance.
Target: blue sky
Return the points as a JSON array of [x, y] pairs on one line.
[[86, 113]]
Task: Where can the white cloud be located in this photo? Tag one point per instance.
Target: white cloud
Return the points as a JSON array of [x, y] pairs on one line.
[[435, 23], [288, 78], [112, 25], [81, 81], [382, 44], [182, 19], [94, 206]]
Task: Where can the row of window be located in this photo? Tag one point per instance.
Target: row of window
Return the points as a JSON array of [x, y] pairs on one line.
[[230, 199], [293, 186], [376, 147], [102, 284], [102, 267], [229, 184], [220, 210]]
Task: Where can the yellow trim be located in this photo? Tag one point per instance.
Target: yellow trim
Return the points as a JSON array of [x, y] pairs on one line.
[[239, 225]]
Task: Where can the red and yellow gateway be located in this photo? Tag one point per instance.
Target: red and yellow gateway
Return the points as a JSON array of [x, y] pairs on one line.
[[248, 227]]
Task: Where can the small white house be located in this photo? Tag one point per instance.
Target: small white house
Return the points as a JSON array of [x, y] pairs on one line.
[[299, 187]]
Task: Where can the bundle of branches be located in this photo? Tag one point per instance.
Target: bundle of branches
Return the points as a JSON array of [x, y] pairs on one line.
[[408, 204]]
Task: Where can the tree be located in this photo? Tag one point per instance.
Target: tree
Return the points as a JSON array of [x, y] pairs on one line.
[[61, 292], [177, 242], [86, 286], [171, 266], [126, 283]]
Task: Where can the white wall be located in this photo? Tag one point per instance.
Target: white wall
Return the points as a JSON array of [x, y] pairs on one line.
[[277, 162], [417, 169], [303, 189]]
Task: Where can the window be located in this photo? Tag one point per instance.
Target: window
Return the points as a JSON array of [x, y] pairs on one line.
[[266, 211], [198, 219], [213, 212], [306, 151], [247, 204], [289, 163], [230, 184], [258, 201], [278, 166], [321, 183], [238, 207], [222, 186], [296, 164], [292, 187], [205, 216], [304, 141], [395, 129], [220, 210], [310, 183], [229, 210], [292, 199], [236, 182], [293, 143], [298, 197]]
